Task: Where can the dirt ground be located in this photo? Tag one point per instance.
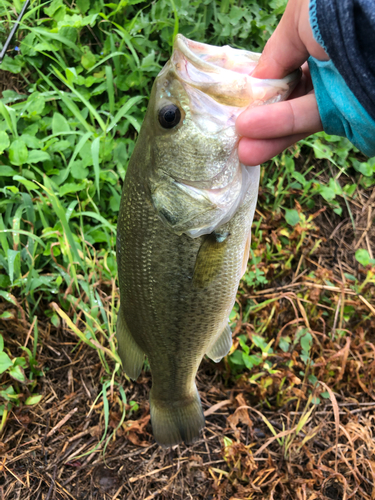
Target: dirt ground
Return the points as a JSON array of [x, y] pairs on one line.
[[263, 440]]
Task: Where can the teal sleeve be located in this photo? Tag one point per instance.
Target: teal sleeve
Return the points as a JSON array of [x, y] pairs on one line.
[[340, 111]]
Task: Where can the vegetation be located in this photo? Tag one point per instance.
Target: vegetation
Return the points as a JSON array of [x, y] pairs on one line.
[[74, 87]]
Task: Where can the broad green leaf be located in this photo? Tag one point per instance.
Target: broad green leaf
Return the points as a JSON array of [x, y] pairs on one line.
[[237, 359], [35, 104], [306, 341], [322, 150], [46, 47], [292, 217], [5, 362], [12, 65], [6, 171], [59, 146], [83, 5], [6, 315], [4, 142], [78, 171], [9, 297], [260, 342], [284, 344], [59, 124], [299, 177], [56, 10], [364, 168], [35, 156], [31, 130], [363, 257], [88, 59], [327, 193], [27, 45], [33, 400], [31, 141], [71, 187], [13, 263], [18, 153], [17, 373], [235, 14], [114, 202], [251, 360]]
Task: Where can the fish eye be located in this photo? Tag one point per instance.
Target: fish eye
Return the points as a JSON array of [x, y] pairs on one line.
[[169, 116]]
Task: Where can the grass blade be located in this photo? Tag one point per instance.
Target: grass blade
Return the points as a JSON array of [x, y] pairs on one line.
[[110, 89], [123, 110], [95, 146]]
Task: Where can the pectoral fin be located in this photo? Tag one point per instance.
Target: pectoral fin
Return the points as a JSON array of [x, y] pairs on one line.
[[209, 258], [131, 355], [222, 346]]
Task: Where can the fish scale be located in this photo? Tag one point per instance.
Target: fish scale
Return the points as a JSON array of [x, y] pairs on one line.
[[179, 264]]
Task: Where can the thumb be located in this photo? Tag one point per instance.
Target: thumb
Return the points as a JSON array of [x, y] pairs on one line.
[[290, 45]]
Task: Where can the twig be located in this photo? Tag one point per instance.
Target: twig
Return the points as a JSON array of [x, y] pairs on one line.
[[137, 478], [62, 422], [217, 406], [29, 332], [367, 303]]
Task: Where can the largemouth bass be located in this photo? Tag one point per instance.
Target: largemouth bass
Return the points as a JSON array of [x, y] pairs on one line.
[[184, 226]]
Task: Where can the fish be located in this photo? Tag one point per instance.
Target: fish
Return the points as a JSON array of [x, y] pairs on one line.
[[184, 226]]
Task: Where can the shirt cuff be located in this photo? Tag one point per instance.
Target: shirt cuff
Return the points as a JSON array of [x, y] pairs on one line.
[[314, 24]]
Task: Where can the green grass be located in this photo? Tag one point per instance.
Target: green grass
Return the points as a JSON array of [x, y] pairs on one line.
[[85, 72]]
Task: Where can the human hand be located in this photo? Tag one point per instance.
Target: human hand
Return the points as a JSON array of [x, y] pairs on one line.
[[268, 130]]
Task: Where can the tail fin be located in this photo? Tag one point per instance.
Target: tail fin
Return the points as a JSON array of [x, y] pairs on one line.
[[176, 421]]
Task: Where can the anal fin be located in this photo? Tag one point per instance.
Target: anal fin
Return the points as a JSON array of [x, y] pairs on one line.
[[222, 345], [131, 355]]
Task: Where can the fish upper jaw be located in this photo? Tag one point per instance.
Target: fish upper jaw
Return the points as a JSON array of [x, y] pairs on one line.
[[224, 74]]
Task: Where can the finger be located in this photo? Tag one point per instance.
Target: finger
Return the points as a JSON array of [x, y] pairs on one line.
[[297, 116], [253, 152]]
